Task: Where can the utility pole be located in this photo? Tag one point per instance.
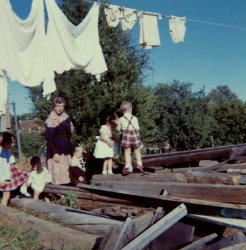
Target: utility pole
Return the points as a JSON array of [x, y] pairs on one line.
[[17, 130]]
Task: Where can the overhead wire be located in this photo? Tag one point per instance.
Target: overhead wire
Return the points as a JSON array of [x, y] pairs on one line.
[[188, 19]]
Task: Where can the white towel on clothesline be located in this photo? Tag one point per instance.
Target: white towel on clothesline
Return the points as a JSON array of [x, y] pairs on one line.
[[149, 31]]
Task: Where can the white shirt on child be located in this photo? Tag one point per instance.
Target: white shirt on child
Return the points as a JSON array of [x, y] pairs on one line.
[[78, 162], [6, 159], [123, 122], [39, 179]]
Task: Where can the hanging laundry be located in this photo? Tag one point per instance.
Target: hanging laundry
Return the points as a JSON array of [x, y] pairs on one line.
[[23, 46], [149, 31], [116, 14], [177, 28], [129, 18], [74, 47], [113, 15], [4, 93]]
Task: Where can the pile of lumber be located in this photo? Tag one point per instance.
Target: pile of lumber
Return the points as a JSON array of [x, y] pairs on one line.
[[173, 205]]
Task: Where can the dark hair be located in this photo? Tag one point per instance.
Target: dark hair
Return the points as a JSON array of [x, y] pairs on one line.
[[35, 159], [7, 138], [110, 119], [59, 100]]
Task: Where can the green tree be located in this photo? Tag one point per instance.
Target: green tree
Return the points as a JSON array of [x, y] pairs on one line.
[[182, 115], [32, 144], [229, 114], [89, 102]]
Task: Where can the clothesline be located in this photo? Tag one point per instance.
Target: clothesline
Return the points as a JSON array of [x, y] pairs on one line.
[[188, 19]]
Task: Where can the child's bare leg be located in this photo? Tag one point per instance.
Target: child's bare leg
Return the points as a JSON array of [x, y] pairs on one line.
[[105, 166], [5, 199], [137, 153], [81, 178], [36, 195], [47, 199], [110, 166], [128, 158]]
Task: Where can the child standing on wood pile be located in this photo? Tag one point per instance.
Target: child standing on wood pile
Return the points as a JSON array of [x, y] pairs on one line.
[[77, 170], [105, 145], [10, 176], [129, 127], [38, 178]]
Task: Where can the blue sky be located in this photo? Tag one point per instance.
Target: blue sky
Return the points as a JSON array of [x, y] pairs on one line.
[[210, 55]]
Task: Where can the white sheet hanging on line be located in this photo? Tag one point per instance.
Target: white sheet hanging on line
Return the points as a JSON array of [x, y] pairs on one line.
[[149, 31], [3, 93], [177, 28], [23, 46], [74, 47], [116, 14]]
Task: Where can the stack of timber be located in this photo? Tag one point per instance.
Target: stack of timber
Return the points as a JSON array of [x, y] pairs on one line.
[[168, 207]]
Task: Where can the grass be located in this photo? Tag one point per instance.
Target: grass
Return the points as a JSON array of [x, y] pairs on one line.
[[17, 239]]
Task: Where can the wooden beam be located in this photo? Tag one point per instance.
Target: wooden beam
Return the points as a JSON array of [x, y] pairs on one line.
[[50, 234], [199, 243], [157, 229], [157, 177], [180, 198], [230, 240], [236, 223], [213, 178]]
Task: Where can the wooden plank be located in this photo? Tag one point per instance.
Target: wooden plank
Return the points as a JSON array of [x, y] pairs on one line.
[[49, 233], [225, 167], [161, 200], [236, 170], [157, 229], [199, 243], [230, 240], [191, 155], [236, 223], [89, 196], [82, 219], [206, 192], [240, 246], [157, 177], [213, 178]]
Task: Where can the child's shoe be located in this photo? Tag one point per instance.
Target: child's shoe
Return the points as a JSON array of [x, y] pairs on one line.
[[23, 191], [110, 172], [139, 169], [125, 171]]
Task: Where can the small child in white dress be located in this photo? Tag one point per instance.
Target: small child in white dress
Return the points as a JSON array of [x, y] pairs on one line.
[[38, 177], [105, 145]]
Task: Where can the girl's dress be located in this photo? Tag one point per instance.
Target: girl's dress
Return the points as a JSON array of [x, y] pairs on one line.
[[37, 180], [58, 141], [17, 177], [102, 149]]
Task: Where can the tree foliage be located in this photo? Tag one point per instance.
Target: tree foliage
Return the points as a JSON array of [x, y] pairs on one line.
[[182, 115], [229, 114], [32, 144]]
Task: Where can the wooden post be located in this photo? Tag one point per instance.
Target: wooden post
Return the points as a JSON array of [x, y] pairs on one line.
[[17, 131]]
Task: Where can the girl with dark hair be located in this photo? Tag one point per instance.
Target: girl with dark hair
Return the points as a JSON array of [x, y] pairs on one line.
[[11, 177], [105, 145]]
